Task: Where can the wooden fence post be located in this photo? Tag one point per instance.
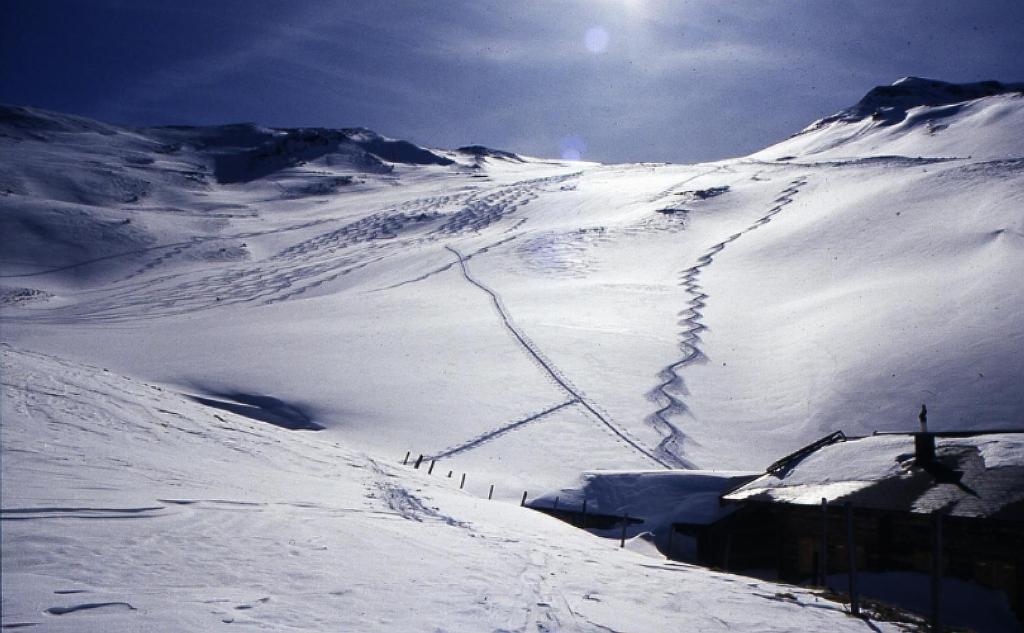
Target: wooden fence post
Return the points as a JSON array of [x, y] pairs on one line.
[[419, 460], [523, 502], [450, 473], [490, 494], [936, 621], [823, 557], [431, 469], [852, 551], [406, 460], [462, 484]]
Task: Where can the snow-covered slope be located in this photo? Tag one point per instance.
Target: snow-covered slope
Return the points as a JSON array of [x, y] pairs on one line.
[[128, 507], [652, 315], [521, 320]]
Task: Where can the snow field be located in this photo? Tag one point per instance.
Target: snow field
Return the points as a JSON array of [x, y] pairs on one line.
[[107, 527]]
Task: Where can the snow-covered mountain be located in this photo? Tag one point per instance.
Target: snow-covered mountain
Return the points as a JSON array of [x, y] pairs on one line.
[[920, 117], [675, 325], [172, 296]]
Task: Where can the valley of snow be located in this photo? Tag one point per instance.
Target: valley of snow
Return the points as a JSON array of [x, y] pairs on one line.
[[174, 298]]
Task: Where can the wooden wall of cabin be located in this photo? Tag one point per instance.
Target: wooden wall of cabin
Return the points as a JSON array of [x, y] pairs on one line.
[[770, 540], [747, 541], [985, 551]]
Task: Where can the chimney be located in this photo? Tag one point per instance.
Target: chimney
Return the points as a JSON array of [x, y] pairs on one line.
[[924, 442]]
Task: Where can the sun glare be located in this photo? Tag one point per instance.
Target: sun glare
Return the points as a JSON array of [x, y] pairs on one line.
[[596, 39]]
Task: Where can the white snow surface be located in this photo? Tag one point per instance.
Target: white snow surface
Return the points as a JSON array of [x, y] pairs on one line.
[[522, 320], [997, 452]]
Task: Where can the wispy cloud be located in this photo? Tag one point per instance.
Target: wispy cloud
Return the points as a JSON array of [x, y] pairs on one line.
[[671, 79]]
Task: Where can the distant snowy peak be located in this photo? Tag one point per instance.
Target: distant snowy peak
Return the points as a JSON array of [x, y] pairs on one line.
[[239, 152], [917, 117], [480, 153], [246, 152], [889, 104], [393, 150]]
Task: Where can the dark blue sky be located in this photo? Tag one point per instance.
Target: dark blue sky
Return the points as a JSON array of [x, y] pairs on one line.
[[616, 80]]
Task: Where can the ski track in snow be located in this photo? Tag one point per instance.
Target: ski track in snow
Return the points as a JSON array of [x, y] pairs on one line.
[[670, 190], [446, 267], [411, 507], [496, 433], [488, 209], [85, 513], [692, 320], [549, 368], [300, 267], [403, 502], [541, 615]]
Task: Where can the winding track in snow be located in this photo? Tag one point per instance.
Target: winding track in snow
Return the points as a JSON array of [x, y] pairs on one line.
[[693, 317], [548, 367]]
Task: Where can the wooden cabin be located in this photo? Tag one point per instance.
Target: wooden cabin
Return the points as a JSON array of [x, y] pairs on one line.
[[896, 488]]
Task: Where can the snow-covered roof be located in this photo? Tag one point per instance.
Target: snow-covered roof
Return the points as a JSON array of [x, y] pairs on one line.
[[659, 497], [881, 472]]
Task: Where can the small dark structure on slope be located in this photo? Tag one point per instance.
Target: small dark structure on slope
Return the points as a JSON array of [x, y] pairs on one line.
[[902, 491]]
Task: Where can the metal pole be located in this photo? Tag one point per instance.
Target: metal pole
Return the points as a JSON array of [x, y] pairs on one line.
[[823, 557], [937, 572], [852, 551]]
